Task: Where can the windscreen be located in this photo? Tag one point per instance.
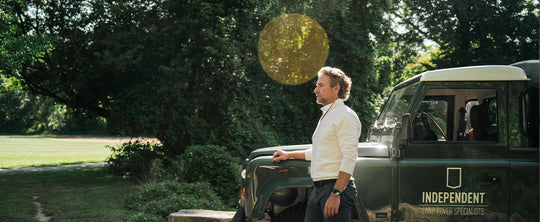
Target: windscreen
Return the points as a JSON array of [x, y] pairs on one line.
[[396, 105]]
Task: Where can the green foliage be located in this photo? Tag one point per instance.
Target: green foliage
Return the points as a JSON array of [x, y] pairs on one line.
[[205, 177], [17, 48], [151, 69], [208, 163], [354, 29], [162, 198], [23, 112], [144, 217], [134, 158], [213, 164], [187, 72], [474, 32]]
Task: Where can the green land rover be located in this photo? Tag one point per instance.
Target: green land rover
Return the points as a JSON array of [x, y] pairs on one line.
[[456, 144]]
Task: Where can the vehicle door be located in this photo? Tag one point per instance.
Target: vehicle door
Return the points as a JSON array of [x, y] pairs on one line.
[[454, 169]]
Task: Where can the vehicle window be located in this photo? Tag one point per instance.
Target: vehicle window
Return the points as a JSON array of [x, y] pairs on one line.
[[457, 115], [432, 119], [395, 107], [528, 108]]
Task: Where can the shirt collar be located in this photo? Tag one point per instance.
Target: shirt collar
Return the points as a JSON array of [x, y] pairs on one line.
[[326, 108]]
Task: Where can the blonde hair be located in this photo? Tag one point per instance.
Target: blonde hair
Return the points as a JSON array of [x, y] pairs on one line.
[[338, 77]]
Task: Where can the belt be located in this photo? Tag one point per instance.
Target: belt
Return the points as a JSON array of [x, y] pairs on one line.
[[320, 183]]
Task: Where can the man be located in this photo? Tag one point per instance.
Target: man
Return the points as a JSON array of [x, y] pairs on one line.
[[334, 150]]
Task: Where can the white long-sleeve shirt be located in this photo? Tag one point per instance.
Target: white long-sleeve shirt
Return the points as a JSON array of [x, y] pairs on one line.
[[334, 142]]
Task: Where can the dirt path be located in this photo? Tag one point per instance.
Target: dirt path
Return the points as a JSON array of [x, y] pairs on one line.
[[40, 216]]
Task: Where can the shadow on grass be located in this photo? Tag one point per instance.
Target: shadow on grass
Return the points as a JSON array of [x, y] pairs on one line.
[[69, 195], [46, 167]]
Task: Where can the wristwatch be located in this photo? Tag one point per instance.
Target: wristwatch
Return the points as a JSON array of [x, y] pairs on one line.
[[336, 192]]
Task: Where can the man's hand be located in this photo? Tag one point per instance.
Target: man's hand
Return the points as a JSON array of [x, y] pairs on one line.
[[279, 156], [282, 155], [331, 207]]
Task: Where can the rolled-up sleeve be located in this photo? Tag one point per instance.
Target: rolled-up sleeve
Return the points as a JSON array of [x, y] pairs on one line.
[[348, 134], [335, 143], [307, 154]]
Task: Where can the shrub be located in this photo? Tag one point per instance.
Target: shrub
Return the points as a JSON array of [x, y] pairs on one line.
[[162, 198], [215, 165], [134, 159], [143, 217]]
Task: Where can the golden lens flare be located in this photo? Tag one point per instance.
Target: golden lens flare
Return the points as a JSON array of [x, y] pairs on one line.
[[292, 48]]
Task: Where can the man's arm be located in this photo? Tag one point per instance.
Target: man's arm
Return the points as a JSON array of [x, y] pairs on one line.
[[342, 181], [282, 155], [332, 204], [348, 136]]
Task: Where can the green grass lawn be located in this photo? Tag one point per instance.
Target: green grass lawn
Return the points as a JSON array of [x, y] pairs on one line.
[[70, 195], [26, 151]]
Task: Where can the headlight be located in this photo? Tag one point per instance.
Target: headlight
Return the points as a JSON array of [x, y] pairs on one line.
[[243, 174]]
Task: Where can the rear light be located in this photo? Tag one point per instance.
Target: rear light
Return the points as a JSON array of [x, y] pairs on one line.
[[243, 192]]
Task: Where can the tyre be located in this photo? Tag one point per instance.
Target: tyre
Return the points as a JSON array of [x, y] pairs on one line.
[[240, 215], [295, 213]]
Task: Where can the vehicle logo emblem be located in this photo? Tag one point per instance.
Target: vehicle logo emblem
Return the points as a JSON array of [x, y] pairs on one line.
[[453, 177]]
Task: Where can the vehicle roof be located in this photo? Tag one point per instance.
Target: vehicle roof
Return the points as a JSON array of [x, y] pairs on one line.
[[532, 69], [469, 73], [476, 73]]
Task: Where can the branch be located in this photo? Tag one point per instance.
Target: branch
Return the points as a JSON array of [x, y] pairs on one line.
[[411, 24], [34, 87]]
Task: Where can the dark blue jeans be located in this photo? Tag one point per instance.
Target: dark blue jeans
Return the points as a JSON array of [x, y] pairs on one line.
[[317, 201]]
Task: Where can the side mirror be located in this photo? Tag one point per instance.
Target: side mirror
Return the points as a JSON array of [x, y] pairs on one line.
[[405, 136], [406, 131]]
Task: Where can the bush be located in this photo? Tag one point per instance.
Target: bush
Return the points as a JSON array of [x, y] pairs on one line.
[[159, 199], [134, 159], [142, 217], [204, 177], [215, 165]]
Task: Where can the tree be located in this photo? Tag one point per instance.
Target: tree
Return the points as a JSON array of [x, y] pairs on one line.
[[354, 29], [16, 47], [474, 32], [21, 110], [186, 72]]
